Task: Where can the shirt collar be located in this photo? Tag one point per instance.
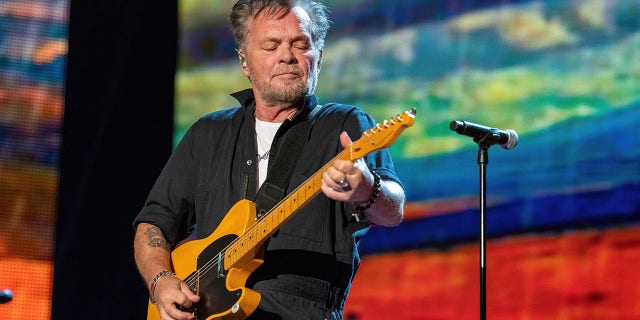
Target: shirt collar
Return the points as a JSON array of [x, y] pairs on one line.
[[247, 100]]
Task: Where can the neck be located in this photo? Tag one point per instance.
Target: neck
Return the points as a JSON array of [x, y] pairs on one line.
[[275, 113]]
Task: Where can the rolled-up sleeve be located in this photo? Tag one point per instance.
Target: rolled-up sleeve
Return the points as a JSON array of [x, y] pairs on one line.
[[170, 203]]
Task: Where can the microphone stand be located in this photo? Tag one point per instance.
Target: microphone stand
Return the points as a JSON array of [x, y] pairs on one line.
[[483, 160], [485, 137]]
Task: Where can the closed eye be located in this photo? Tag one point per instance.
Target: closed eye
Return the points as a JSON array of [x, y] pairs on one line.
[[269, 45], [302, 45]]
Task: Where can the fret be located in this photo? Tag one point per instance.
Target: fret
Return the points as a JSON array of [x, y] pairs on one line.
[[262, 227], [227, 260], [236, 251], [253, 236], [307, 188], [306, 191], [230, 257], [301, 199], [288, 205], [278, 216], [294, 202], [316, 185], [266, 226]]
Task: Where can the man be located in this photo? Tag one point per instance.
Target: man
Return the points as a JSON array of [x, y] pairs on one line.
[[310, 261]]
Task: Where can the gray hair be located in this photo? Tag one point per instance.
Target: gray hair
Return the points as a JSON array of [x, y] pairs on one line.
[[243, 10]]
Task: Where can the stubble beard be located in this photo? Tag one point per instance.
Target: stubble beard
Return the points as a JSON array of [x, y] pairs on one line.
[[288, 95]]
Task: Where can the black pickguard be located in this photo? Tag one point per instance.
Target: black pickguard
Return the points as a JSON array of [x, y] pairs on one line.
[[214, 296]]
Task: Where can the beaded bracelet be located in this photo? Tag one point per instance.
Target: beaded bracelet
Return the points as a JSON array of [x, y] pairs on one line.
[[154, 282], [359, 209]]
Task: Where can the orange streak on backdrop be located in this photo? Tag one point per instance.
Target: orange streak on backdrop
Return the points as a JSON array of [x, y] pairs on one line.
[[577, 275]]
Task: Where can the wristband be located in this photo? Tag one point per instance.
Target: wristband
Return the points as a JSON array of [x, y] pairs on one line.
[[359, 209], [154, 282]]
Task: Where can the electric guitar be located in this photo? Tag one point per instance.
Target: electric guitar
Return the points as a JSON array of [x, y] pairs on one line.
[[217, 267]]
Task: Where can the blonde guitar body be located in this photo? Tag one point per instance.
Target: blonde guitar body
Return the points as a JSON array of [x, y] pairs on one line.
[[217, 267], [222, 293]]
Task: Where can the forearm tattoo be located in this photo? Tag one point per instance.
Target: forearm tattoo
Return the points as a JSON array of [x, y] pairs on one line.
[[156, 239]]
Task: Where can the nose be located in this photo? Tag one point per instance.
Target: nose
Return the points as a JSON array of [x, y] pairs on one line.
[[286, 55]]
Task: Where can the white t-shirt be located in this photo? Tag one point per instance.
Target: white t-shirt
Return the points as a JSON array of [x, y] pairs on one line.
[[265, 132]]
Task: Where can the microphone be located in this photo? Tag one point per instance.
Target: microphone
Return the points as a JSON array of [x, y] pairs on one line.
[[506, 138], [5, 296]]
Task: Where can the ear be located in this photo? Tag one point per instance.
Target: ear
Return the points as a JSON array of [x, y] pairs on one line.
[[243, 62]]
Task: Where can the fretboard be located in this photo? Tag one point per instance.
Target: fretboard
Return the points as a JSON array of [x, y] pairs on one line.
[[276, 217]]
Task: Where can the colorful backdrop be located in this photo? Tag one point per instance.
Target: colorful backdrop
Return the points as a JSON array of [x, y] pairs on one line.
[[33, 47], [563, 205]]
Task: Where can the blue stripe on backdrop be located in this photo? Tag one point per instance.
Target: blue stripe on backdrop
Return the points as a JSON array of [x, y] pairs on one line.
[[596, 209]]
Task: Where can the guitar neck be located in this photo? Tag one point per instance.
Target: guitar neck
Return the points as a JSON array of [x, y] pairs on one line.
[[281, 213]]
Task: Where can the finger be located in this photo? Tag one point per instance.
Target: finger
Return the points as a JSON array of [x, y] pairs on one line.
[[183, 303], [331, 180], [342, 182], [345, 140], [334, 176], [346, 167], [175, 304], [164, 315], [174, 313], [173, 309], [191, 296], [332, 193]]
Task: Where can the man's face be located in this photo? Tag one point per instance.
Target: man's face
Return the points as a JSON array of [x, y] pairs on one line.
[[282, 63]]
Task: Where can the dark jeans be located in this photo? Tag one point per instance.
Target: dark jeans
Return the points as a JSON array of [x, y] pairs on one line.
[[292, 297]]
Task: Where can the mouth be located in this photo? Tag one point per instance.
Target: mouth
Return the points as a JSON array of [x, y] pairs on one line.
[[288, 74]]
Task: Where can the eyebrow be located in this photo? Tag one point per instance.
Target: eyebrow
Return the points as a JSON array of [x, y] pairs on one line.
[[303, 38]]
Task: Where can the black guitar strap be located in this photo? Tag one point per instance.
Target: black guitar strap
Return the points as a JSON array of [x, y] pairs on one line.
[[275, 186]]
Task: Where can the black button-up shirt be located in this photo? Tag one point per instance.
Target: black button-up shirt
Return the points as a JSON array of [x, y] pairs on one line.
[[215, 166]]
